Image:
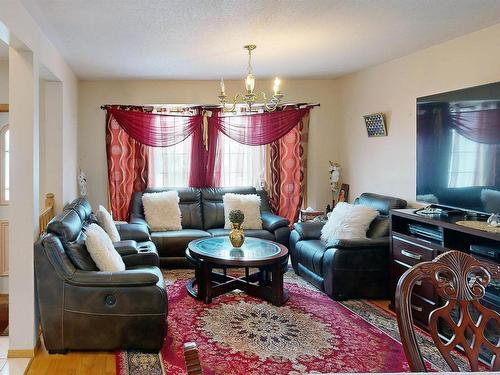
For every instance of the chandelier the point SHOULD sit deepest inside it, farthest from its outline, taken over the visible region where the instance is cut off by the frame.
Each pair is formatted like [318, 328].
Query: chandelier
[250, 98]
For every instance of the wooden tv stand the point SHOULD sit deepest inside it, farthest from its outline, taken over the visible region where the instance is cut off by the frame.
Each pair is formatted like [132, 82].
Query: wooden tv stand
[408, 250]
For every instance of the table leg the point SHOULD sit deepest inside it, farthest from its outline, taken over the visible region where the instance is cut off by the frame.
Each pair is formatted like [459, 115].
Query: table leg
[277, 285]
[205, 283]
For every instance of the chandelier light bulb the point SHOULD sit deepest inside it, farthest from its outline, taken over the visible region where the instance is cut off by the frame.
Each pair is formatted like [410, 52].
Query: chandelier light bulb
[250, 83]
[276, 87]
[222, 86]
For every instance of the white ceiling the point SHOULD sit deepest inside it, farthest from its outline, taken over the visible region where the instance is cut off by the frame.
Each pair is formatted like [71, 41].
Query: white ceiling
[195, 39]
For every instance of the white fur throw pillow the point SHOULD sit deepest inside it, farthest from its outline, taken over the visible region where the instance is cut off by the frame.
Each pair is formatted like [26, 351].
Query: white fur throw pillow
[348, 221]
[162, 210]
[249, 204]
[105, 220]
[101, 250]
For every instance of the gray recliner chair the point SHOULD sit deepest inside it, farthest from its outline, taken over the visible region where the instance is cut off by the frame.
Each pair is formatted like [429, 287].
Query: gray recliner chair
[343, 269]
[82, 308]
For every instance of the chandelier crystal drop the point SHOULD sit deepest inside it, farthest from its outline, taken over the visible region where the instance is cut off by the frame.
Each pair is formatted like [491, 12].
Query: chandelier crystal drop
[251, 97]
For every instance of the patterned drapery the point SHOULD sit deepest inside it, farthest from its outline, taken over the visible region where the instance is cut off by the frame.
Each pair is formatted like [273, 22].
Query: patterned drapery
[127, 166]
[288, 174]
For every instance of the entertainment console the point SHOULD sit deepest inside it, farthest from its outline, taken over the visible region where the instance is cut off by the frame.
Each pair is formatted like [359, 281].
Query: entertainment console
[416, 238]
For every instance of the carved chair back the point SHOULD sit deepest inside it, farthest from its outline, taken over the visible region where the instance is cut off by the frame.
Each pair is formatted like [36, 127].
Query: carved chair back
[460, 280]
[192, 359]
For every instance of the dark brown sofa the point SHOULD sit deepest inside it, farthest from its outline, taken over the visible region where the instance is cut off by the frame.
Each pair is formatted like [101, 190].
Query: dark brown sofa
[203, 216]
[82, 308]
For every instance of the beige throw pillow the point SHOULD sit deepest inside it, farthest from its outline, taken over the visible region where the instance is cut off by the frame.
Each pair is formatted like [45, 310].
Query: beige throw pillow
[105, 220]
[348, 221]
[102, 251]
[249, 204]
[162, 210]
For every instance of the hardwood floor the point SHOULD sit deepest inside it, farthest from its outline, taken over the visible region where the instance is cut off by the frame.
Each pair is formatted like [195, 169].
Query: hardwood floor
[92, 363]
[72, 363]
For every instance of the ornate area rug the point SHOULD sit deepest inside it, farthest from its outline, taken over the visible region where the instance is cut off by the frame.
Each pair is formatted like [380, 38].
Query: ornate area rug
[239, 334]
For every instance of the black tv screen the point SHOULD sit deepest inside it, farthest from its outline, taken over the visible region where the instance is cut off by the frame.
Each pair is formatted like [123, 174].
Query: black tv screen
[458, 149]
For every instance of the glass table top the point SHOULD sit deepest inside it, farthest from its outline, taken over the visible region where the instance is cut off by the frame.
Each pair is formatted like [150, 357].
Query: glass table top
[220, 247]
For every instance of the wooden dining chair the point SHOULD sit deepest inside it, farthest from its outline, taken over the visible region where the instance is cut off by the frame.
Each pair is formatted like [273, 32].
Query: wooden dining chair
[192, 359]
[460, 280]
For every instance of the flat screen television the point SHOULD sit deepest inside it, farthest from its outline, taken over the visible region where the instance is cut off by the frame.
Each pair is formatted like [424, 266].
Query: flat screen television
[458, 149]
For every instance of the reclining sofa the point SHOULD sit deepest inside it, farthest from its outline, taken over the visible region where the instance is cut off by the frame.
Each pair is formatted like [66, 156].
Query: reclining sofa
[203, 216]
[82, 308]
[347, 268]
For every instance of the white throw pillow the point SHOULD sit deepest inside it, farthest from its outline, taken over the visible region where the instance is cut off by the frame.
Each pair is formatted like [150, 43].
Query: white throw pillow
[162, 210]
[101, 250]
[105, 220]
[249, 204]
[348, 221]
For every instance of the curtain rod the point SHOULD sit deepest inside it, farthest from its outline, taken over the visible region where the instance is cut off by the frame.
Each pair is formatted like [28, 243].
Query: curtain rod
[207, 106]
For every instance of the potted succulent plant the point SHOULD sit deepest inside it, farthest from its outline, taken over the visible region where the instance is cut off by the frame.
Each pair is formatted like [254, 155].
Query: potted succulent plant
[236, 235]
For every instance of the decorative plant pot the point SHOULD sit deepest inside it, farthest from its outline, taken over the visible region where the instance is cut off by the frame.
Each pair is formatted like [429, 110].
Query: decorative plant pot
[236, 235]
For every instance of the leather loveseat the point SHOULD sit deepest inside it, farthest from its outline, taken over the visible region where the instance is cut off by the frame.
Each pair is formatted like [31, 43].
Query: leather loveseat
[343, 269]
[82, 308]
[203, 216]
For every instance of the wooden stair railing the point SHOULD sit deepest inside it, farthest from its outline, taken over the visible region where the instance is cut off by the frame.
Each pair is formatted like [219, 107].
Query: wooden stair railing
[47, 213]
[192, 359]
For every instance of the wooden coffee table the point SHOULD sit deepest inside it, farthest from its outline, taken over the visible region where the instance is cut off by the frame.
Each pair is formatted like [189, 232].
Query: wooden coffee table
[209, 255]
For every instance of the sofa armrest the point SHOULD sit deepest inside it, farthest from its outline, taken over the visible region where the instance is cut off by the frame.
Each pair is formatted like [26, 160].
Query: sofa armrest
[133, 231]
[358, 243]
[271, 222]
[126, 247]
[308, 230]
[113, 279]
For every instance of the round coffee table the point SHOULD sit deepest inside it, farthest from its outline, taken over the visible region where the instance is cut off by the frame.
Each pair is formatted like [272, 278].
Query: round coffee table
[208, 254]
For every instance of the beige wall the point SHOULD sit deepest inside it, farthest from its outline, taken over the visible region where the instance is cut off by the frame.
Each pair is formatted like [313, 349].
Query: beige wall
[387, 165]
[4, 81]
[91, 136]
[29, 51]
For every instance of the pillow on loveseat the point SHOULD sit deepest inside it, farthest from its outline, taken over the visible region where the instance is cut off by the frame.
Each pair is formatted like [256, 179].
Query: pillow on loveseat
[249, 204]
[102, 251]
[106, 222]
[348, 221]
[162, 210]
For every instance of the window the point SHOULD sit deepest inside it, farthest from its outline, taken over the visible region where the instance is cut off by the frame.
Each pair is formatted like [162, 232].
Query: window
[241, 165]
[169, 166]
[4, 166]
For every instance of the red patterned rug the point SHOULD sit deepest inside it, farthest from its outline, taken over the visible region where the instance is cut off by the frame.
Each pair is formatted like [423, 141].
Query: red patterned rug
[238, 334]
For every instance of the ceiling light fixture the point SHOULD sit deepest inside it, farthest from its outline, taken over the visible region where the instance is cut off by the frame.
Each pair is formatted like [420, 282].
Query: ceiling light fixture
[250, 98]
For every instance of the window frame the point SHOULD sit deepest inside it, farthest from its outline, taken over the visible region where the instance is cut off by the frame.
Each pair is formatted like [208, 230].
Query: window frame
[4, 129]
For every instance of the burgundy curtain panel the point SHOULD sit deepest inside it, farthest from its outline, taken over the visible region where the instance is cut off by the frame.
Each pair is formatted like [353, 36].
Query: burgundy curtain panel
[260, 128]
[127, 166]
[130, 132]
[155, 129]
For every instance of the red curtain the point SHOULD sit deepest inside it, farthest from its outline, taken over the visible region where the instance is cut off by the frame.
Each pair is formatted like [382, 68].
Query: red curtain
[205, 159]
[260, 128]
[155, 129]
[286, 130]
[127, 166]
